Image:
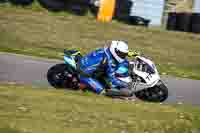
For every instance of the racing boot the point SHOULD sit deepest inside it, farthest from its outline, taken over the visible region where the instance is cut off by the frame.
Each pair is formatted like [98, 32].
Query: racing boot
[117, 93]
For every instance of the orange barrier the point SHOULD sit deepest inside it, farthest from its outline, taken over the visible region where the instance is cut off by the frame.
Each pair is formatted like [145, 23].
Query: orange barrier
[106, 10]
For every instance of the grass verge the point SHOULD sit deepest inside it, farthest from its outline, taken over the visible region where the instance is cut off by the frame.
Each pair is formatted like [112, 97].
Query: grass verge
[25, 109]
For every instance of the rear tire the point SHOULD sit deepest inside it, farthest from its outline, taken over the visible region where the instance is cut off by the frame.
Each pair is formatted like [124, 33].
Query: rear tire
[60, 76]
[158, 93]
[54, 75]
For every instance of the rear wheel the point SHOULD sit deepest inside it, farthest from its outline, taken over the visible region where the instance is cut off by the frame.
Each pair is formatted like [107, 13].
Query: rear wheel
[158, 93]
[60, 76]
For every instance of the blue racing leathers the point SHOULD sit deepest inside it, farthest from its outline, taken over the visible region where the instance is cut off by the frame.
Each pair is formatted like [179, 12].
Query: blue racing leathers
[98, 61]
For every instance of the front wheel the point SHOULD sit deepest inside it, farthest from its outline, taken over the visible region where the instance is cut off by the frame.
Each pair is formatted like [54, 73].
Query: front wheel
[158, 93]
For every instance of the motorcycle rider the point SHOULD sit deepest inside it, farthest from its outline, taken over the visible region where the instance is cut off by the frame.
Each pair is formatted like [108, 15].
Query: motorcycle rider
[105, 62]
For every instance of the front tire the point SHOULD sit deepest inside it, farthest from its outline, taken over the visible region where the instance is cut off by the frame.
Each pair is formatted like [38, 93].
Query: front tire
[158, 93]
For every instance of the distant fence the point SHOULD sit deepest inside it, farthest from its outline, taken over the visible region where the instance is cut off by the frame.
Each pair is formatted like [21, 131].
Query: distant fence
[187, 22]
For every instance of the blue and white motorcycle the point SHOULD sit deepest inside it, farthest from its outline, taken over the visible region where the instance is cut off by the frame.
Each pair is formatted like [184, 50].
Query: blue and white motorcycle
[144, 80]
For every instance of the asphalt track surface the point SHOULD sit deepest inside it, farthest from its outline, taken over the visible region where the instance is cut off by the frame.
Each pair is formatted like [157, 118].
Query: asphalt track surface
[30, 70]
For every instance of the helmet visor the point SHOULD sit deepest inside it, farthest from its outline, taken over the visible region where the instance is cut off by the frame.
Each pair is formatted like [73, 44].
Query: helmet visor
[121, 54]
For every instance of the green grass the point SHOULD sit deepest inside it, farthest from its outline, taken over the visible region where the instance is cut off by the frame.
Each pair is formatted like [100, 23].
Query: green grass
[25, 109]
[35, 31]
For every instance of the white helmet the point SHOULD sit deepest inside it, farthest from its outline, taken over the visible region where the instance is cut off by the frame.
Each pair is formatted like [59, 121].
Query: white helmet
[119, 50]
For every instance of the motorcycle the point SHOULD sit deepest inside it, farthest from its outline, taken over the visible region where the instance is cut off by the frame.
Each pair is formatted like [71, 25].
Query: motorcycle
[143, 79]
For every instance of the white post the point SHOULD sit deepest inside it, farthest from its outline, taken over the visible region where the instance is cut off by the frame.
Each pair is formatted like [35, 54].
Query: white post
[196, 6]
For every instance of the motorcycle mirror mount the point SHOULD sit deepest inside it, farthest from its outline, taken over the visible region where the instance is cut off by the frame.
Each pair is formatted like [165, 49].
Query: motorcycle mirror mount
[134, 53]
